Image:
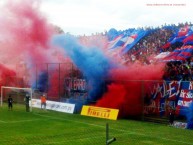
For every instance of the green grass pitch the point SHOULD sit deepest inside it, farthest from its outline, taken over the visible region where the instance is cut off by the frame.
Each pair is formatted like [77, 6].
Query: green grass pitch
[45, 127]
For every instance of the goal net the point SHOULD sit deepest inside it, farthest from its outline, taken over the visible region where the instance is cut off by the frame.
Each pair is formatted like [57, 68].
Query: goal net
[18, 95]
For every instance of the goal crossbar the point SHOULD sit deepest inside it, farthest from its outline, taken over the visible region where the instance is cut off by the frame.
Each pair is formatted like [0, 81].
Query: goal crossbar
[6, 87]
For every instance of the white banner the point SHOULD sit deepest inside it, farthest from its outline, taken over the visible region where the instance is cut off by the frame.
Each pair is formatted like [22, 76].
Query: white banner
[56, 106]
[180, 124]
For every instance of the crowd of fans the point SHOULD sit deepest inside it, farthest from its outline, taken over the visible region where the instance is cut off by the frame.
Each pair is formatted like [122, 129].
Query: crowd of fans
[153, 44]
[96, 40]
[179, 71]
[147, 48]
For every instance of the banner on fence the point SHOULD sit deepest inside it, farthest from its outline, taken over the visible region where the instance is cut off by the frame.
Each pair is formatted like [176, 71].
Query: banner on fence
[100, 112]
[167, 95]
[178, 124]
[56, 106]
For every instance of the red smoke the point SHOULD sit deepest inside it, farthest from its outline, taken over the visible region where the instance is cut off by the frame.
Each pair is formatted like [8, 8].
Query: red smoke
[26, 33]
[129, 87]
[6, 76]
[25, 38]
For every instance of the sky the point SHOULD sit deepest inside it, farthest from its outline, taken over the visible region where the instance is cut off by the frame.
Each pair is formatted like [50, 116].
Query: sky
[79, 17]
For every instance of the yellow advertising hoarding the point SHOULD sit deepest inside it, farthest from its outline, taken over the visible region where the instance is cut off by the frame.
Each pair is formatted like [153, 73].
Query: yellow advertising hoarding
[100, 112]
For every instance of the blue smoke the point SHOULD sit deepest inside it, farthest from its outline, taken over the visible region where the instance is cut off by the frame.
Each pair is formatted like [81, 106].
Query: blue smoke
[112, 34]
[90, 61]
[189, 116]
[42, 82]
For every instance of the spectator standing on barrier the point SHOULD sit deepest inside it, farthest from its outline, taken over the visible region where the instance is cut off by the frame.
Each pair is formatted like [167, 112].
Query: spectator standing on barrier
[27, 99]
[43, 101]
[10, 102]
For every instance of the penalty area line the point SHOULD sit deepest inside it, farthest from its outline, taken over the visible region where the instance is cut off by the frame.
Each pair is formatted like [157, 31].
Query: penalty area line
[19, 121]
[141, 134]
[1, 121]
[57, 118]
[123, 131]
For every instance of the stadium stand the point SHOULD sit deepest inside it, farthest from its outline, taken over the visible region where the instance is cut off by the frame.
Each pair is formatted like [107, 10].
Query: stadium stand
[156, 41]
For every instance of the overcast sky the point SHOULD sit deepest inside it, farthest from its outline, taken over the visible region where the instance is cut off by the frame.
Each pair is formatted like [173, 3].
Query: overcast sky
[80, 17]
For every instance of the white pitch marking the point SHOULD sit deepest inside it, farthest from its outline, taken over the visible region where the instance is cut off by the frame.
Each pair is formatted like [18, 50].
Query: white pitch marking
[125, 131]
[3, 121]
[19, 121]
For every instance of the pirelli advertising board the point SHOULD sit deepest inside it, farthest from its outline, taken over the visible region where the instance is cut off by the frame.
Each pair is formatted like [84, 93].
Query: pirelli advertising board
[100, 112]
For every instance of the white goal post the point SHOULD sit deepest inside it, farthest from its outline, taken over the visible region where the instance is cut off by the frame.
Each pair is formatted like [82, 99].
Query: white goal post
[29, 90]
